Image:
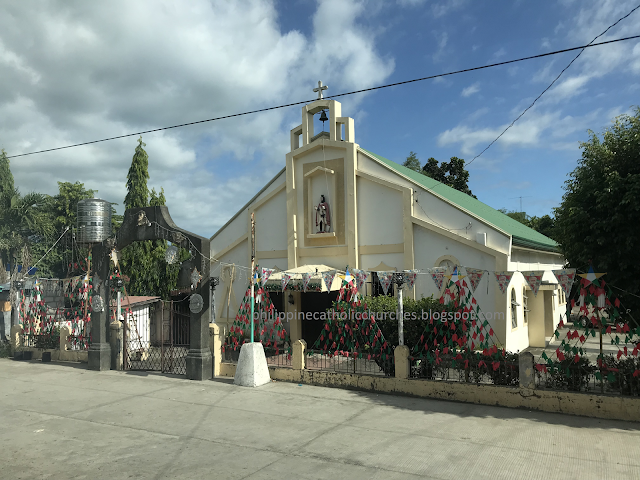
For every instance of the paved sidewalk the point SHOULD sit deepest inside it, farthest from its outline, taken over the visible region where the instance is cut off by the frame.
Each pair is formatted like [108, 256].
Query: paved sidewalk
[61, 421]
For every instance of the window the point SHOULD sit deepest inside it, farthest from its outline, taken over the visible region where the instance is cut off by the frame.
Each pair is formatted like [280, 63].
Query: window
[525, 309]
[514, 309]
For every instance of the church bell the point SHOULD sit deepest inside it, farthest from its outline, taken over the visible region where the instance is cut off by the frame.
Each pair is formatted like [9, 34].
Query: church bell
[323, 118]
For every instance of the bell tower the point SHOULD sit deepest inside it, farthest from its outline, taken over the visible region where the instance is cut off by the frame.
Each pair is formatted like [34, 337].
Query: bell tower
[337, 122]
[321, 188]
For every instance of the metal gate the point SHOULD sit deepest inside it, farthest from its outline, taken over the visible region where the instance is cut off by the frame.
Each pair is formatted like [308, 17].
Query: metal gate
[157, 338]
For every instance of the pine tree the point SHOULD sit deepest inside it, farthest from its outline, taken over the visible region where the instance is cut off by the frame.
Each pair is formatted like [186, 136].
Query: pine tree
[137, 191]
[7, 186]
[413, 162]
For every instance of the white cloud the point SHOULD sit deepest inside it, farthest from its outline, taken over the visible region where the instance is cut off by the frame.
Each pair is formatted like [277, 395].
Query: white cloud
[470, 90]
[74, 72]
[442, 39]
[442, 8]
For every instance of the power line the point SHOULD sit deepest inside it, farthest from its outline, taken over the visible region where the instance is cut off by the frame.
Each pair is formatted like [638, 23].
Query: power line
[590, 44]
[331, 96]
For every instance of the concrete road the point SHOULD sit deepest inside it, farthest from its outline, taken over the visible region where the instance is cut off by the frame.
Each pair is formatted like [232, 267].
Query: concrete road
[61, 421]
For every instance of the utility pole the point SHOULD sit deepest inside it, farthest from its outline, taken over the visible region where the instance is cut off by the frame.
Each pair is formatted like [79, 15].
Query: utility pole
[253, 267]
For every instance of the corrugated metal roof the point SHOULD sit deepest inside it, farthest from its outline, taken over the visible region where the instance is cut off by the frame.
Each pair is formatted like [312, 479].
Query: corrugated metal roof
[521, 234]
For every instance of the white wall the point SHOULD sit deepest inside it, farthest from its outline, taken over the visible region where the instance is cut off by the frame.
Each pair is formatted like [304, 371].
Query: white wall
[433, 209]
[271, 224]
[380, 214]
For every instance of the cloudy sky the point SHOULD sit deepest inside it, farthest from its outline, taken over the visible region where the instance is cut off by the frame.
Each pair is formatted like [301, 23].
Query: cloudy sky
[75, 71]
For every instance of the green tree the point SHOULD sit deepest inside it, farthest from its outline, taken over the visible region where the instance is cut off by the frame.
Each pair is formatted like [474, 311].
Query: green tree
[545, 224]
[137, 191]
[450, 173]
[144, 262]
[6, 177]
[413, 162]
[597, 220]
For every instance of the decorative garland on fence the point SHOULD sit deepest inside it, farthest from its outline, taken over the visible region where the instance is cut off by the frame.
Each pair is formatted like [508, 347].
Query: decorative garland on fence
[464, 341]
[268, 326]
[569, 358]
[350, 331]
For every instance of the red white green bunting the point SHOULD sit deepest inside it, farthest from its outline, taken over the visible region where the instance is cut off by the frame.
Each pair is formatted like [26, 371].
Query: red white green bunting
[386, 278]
[361, 278]
[410, 278]
[305, 281]
[265, 274]
[285, 280]
[328, 278]
[437, 274]
[475, 275]
[565, 278]
[534, 279]
[503, 279]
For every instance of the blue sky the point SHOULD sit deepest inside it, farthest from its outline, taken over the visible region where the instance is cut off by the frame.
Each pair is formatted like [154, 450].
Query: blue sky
[78, 71]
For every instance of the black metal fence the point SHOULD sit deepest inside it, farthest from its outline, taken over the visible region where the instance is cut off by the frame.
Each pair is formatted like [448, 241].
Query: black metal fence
[276, 357]
[362, 363]
[474, 369]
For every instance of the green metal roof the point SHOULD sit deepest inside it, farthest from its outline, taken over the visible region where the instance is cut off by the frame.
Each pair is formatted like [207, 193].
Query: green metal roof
[522, 235]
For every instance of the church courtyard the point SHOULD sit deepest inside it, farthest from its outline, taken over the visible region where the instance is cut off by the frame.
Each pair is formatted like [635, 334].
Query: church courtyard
[62, 421]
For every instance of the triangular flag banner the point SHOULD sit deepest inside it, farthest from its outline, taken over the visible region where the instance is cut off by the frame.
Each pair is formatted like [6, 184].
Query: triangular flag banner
[386, 278]
[328, 278]
[305, 281]
[534, 279]
[565, 278]
[455, 277]
[437, 274]
[410, 278]
[266, 273]
[285, 280]
[503, 279]
[475, 275]
[360, 276]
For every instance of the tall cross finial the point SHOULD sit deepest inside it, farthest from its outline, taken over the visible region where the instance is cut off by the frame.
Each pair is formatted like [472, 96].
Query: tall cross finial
[320, 89]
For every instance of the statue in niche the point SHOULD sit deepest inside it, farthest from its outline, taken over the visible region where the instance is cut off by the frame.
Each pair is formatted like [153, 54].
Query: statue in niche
[323, 217]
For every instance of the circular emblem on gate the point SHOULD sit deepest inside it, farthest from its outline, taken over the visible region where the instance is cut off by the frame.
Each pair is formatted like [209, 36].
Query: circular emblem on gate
[196, 303]
[97, 304]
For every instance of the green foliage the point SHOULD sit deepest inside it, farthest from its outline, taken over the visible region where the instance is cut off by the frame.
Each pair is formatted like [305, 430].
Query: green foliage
[546, 225]
[49, 339]
[5, 349]
[413, 162]
[450, 173]
[137, 191]
[597, 220]
[144, 262]
[6, 177]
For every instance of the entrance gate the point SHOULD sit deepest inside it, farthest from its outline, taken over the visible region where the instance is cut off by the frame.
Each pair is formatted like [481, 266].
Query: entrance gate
[157, 340]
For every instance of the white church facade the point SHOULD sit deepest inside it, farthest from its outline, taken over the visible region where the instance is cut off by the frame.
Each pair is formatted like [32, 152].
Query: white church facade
[377, 214]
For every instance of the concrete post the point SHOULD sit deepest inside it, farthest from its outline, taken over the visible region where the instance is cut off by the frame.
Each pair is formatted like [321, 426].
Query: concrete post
[216, 334]
[527, 370]
[16, 338]
[115, 340]
[401, 357]
[99, 353]
[65, 331]
[297, 357]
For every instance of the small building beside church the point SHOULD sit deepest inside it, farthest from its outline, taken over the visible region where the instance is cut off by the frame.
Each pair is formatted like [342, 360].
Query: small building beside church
[336, 205]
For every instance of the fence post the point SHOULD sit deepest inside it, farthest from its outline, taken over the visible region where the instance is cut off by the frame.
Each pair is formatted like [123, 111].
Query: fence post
[16, 338]
[297, 357]
[215, 344]
[65, 331]
[401, 357]
[115, 339]
[527, 372]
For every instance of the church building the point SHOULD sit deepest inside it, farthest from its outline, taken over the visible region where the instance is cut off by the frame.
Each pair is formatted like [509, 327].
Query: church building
[336, 205]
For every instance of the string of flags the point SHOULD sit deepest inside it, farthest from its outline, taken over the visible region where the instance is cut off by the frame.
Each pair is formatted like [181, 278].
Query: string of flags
[407, 278]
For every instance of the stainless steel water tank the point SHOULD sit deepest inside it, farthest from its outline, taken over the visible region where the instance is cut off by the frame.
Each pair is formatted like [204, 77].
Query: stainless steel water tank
[94, 220]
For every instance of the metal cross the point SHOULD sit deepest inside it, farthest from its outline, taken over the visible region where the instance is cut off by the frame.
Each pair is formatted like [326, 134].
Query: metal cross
[320, 89]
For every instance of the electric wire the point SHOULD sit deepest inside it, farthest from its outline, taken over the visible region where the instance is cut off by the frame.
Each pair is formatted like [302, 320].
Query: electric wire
[556, 52]
[590, 44]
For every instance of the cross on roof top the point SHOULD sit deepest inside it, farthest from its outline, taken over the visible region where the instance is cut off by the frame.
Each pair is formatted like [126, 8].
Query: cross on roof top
[320, 89]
